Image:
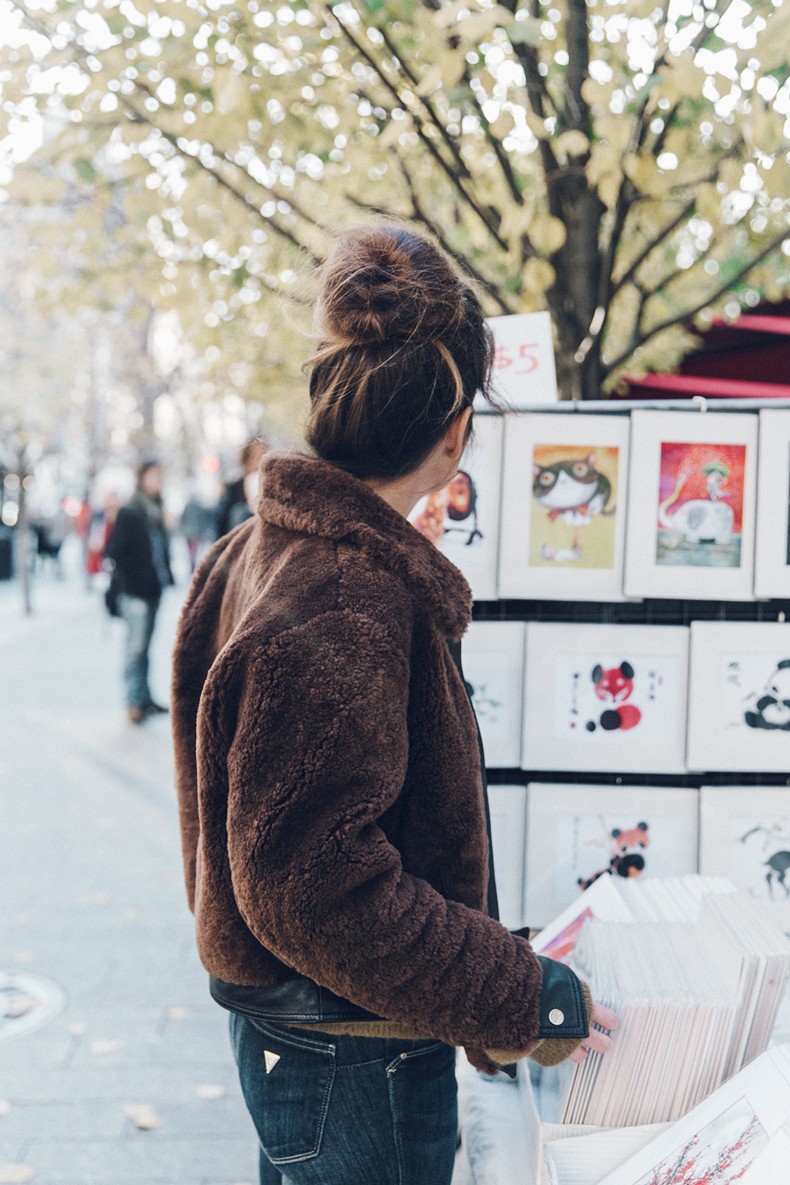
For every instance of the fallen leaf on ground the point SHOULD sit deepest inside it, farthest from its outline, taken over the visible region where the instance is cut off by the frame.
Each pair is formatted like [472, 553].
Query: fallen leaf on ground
[105, 1045]
[142, 1116]
[16, 1173]
[210, 1090]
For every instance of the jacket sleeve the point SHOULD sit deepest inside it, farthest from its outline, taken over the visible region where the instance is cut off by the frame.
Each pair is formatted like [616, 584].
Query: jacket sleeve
[317, 756]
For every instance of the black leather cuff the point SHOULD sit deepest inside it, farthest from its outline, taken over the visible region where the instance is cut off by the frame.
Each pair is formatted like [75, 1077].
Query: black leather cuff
[562, 1011]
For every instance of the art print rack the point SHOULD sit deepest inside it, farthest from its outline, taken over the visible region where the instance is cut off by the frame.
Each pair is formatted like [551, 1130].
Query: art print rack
[741, 552]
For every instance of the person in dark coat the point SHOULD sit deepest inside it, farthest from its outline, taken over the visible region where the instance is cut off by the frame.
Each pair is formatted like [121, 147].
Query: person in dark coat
[330, 778]
[238, 498]
[140, 553]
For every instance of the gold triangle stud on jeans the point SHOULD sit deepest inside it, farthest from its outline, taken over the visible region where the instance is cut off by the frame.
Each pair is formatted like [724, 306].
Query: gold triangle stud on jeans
[271, 1060]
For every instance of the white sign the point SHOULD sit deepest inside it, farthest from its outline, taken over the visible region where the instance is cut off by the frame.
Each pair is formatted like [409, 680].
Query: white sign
[524, 370]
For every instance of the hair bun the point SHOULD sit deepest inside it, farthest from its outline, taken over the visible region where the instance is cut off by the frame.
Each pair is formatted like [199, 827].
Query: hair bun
[384, 284]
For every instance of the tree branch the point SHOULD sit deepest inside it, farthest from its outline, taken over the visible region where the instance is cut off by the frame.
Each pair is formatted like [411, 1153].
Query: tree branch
[489, 221]
[708, 300]
[465, 263]
[686, 210]
[78, 52]
[433, 114]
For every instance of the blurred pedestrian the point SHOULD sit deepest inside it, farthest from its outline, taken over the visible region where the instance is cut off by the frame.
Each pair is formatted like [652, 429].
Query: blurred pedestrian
[102, 523]
[197, 525]
[239, 497]
[140, 552]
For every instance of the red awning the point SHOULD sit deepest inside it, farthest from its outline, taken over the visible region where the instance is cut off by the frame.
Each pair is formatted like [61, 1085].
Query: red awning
[744, 359]
[656, 386]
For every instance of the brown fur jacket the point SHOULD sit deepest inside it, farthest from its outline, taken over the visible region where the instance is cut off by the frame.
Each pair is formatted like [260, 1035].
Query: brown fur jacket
[328, 771]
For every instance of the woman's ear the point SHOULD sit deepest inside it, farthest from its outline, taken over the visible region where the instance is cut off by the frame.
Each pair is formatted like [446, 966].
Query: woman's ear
[457, 435]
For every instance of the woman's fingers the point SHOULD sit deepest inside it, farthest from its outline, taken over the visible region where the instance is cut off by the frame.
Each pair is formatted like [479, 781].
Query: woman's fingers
[597, 1041]
[605, 1017]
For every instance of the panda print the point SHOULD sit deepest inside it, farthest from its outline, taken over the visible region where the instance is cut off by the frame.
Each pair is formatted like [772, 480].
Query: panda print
[772, 708]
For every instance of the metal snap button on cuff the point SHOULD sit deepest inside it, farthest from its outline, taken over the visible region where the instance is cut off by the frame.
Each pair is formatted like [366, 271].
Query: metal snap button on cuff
[556, 1016]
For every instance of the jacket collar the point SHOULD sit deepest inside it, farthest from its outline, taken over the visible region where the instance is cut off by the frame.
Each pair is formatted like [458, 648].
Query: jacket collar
[312, 497]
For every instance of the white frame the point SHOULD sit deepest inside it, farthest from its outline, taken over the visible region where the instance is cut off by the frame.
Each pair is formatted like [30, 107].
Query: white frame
[508, 809]
[503, 643]
[483, 458]
[644, 576]
[548, 807]
[733, 746]
[632, 751]
[771, 567]
[519, 578]
[720, 809]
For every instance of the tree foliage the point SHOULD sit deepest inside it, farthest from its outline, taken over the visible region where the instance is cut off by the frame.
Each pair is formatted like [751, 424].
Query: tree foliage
[621, 162]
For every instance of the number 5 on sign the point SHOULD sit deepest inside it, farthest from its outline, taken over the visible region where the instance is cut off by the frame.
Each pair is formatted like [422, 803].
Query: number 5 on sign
[524, 370]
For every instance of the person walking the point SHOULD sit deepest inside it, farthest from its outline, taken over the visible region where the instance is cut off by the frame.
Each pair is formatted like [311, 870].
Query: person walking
[239, 497]
[328, 765]
[140, 553]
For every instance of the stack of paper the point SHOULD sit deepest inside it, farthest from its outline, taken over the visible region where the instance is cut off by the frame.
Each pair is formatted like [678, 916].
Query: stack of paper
[751, 941]
[696, 972]
[739, 1133]
[677, 1002]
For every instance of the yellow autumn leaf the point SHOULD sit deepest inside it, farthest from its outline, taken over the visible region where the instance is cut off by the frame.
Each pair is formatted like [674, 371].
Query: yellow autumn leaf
[548, 234]
[571, 143]
[538, 275]
[682, 79]
[640, 170]
[708, 203]
[608, 187]
[431, 79]
[614, 130]
[536, 125]
[516, 221]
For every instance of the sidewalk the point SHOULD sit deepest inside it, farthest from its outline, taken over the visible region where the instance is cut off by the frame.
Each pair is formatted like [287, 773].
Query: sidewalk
[130, 1081]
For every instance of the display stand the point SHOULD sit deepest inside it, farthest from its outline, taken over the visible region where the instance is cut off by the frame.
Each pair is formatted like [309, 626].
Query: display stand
[499, 1121]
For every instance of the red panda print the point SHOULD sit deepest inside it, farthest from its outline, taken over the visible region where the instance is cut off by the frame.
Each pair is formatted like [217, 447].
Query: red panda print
[627, 859]
[614, 686]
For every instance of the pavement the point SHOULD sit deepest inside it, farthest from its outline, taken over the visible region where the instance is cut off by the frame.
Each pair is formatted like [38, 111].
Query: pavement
[115, 1065]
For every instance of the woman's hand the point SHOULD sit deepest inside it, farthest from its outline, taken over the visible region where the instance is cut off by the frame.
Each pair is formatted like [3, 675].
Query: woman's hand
[596, 1040]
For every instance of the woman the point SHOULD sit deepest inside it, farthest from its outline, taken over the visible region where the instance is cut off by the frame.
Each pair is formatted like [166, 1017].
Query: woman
[328, 763]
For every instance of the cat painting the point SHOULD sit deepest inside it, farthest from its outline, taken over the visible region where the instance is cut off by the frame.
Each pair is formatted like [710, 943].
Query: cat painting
[573, 506]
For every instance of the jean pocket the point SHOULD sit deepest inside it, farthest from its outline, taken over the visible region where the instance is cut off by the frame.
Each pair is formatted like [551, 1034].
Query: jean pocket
[425, 1049]
[287, 1083]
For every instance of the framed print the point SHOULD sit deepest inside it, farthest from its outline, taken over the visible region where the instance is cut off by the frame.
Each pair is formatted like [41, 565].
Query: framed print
[463, 518]
[739, 697]
[563, 506]
[578, 834]
[745, 835]
[691, 496]
[493, 659]
[610, 698]
[508, 807]
[524, 369]
[772, 545]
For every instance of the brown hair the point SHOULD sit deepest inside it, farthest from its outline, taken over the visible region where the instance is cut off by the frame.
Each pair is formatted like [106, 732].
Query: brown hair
[404, 348]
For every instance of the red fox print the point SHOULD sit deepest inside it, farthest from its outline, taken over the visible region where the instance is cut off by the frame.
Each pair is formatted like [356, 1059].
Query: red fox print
[627, 859]
[614, 686]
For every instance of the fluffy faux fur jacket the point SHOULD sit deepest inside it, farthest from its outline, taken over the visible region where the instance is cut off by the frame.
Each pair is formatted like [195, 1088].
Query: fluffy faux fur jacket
[328, 770]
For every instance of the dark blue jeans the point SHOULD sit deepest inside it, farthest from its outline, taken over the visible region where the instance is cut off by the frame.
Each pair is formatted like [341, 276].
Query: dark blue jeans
[347, 1110]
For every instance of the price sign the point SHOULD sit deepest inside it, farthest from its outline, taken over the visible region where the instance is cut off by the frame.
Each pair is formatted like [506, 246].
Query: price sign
[524, 370]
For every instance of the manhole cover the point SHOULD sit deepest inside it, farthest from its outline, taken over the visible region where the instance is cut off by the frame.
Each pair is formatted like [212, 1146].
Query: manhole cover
[27, 1002]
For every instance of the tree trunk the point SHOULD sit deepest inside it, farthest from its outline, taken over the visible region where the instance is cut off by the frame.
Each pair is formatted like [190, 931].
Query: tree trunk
[572, 300]
[23, 553]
